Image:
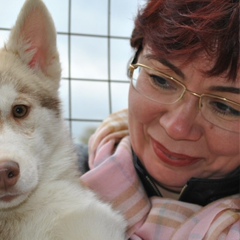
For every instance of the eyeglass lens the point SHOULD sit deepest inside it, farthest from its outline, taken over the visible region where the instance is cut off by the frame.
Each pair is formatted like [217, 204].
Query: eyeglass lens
[163, 89]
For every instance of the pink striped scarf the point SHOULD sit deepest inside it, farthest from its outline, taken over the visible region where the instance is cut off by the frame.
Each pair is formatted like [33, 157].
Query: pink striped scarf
[114, 178]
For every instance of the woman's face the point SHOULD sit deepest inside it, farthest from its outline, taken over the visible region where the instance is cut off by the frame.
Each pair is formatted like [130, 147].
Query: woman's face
[173, 141]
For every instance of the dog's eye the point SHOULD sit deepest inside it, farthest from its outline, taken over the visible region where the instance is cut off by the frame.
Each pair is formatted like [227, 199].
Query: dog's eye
[20, 111]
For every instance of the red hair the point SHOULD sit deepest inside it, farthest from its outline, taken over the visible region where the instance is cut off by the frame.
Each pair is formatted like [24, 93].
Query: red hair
[175, 28]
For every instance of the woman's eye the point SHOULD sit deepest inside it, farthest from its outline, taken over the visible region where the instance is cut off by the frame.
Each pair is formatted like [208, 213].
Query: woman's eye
[163, 83]
[20, 111]
[226, 110]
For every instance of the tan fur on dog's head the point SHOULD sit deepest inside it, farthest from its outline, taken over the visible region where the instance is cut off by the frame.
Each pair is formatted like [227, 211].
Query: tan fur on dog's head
[33, 42]
[30, 108]
[33, 39]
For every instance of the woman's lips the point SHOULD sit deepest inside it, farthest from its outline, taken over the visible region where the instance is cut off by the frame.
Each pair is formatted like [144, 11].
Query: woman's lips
[173, 159]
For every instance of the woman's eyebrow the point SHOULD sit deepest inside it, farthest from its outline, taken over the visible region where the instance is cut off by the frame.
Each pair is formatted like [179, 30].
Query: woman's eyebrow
[166, 63]
[225, 89]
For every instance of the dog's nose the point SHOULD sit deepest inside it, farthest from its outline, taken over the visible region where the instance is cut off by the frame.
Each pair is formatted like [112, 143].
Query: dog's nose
[9, 174]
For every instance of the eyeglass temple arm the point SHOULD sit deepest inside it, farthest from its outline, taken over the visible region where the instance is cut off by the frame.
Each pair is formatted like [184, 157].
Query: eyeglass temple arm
[136, 55]
[134, 61]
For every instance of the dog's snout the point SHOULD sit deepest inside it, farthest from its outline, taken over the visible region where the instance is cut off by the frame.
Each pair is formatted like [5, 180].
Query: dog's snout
[9, 174]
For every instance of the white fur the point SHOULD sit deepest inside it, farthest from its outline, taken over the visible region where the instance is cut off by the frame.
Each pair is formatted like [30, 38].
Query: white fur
[50, 203]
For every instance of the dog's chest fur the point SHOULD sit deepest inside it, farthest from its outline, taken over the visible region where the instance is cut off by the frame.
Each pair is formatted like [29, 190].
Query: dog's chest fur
[42, 214]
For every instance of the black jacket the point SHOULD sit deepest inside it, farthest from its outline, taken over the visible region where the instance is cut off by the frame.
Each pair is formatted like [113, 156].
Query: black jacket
[197, 190]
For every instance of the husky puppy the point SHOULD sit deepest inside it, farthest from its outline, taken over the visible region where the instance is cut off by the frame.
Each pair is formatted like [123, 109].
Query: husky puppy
[41, 197]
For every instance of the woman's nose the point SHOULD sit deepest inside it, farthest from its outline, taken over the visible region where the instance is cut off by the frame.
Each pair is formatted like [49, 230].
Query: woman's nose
[180, 121]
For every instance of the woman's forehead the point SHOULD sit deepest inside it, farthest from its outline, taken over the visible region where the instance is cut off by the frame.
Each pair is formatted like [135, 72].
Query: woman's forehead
[201, 63]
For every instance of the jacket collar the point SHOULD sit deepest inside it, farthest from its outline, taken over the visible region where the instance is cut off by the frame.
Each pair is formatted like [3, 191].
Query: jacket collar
[197, 190]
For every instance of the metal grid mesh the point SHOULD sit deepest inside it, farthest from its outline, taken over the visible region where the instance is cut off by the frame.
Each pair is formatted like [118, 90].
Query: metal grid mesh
[94, 82]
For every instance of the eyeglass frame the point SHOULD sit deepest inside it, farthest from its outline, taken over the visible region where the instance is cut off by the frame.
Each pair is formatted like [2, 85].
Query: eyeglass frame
[134, 65]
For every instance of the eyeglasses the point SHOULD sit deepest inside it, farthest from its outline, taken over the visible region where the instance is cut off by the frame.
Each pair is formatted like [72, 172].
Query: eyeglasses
[162, 88]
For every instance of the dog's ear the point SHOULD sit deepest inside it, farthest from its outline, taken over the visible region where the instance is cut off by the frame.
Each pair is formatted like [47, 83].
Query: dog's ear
[33, 39]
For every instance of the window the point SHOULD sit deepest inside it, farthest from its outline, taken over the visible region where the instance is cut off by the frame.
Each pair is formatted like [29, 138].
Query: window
[93, 42]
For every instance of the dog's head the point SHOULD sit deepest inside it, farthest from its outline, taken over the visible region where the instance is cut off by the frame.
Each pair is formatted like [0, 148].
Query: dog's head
[29, 104]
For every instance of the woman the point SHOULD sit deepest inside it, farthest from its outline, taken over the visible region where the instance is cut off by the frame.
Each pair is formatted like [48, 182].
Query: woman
[176, 173]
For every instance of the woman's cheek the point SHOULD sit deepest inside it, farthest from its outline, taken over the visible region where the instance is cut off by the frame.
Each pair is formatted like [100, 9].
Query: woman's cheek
[141, 109]
[137, 120]
[143, 113]
[227, 145]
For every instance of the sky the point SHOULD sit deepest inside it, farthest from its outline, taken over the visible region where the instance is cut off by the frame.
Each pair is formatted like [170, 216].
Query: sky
[91, 56]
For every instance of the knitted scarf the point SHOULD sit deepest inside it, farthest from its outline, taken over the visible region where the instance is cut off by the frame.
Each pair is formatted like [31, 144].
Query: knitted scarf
[114, 179]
